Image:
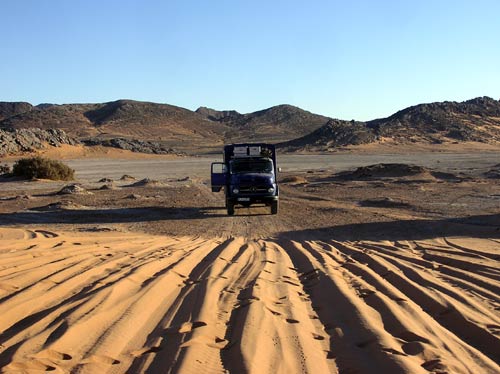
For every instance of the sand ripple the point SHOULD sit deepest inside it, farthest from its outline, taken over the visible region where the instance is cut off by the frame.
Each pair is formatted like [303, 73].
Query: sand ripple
[111, 302]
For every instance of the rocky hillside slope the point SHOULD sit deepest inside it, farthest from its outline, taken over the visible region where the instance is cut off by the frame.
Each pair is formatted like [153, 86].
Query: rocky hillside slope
[10, 109]
[172, 126]
[275, 124]
[335, 133]
[473, 120]
[476, 120]
[122, 118]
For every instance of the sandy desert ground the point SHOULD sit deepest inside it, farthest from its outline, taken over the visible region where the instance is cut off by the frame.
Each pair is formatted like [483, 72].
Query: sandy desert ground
[387, 272]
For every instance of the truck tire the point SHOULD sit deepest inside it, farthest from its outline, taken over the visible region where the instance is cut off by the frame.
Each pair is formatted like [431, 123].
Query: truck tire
[274, 207]
[230, 208]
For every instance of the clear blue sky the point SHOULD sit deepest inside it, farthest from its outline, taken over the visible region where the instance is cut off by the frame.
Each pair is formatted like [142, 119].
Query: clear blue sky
[360, 59]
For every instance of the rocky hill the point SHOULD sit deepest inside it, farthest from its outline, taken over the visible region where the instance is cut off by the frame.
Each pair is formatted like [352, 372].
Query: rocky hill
[143, 120]
[476, 120]
[122, 118]
[473, 120]
[172, 127]
[10, 109]
[275, 124]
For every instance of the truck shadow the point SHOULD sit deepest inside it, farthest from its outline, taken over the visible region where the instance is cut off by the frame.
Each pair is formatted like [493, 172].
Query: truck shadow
[110, 215]
[118, 215]
[480, 226]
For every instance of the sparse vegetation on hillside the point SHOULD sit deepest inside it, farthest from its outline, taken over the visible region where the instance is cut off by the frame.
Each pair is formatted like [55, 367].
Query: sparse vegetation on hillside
[39, 167]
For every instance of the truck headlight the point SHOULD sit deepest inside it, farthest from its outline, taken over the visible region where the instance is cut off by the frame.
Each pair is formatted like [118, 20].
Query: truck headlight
[236, 191]
[270, 189]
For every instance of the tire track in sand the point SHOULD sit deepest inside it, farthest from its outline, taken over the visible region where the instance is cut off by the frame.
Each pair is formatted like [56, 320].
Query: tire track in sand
[122, 302]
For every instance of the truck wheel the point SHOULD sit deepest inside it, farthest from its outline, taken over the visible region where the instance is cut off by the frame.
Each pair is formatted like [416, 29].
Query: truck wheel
[230, 208]
[274, 207]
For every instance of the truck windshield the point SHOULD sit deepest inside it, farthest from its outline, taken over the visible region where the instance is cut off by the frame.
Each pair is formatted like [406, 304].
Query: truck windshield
[251, 166]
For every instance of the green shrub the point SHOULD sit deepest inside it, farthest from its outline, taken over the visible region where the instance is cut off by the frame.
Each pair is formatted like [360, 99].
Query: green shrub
[39, 167]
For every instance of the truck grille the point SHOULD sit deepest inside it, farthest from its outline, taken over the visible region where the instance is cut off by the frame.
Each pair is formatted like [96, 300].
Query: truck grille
[253, 189]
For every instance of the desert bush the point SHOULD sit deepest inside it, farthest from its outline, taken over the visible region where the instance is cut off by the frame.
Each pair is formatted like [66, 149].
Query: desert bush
[5, 169]
[39, 167]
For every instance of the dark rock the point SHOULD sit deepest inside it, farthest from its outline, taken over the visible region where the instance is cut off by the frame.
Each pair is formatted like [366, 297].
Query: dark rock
[133, 145]
[14, 141]
[146, 182]
[385, 202]
[109, 186]
[74, 189]
[493, 173]
[126, 177]
[133, 196]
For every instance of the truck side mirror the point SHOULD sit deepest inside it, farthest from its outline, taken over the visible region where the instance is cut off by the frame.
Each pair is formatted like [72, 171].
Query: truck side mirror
[279, 170]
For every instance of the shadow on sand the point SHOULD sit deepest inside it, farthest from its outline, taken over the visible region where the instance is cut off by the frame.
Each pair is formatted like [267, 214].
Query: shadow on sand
[481, 226]
[118, 215]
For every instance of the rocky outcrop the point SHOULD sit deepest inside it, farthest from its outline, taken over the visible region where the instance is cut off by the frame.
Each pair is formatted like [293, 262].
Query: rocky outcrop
[133, 145]
[29, 140]
[17, 141]
[335, 133]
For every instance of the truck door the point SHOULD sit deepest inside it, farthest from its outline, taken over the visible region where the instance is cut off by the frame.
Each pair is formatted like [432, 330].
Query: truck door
[218, 176]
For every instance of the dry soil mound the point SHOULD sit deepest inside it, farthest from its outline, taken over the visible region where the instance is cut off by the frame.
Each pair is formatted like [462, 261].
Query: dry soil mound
[386, 171]
[146, 182]
[493, 173]
[73, 189]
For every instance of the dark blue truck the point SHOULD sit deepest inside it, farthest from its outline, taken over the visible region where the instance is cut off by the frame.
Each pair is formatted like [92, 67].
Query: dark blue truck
[248, 174]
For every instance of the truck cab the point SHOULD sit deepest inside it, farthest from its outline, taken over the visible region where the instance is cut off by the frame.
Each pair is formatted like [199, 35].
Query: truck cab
[248, 175]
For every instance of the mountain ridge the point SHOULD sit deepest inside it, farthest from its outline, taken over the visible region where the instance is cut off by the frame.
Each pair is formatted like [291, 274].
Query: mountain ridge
[291, 127]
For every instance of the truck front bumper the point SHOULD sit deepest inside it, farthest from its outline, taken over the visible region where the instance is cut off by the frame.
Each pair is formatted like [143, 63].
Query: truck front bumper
[249, 200]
